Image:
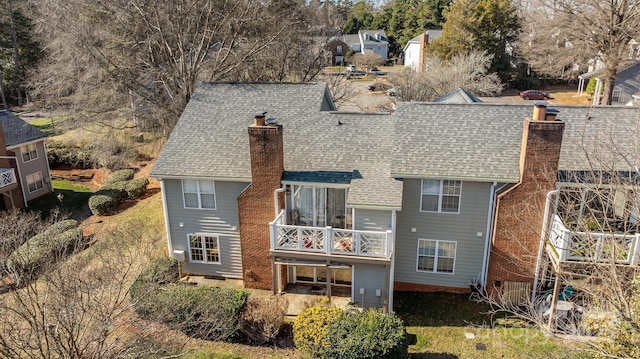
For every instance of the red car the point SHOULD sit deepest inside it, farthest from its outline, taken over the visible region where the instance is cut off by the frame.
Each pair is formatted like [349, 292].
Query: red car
[534, 95]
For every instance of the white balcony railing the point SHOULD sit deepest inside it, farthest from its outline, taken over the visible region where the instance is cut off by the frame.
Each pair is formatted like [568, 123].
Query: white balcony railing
[622, 248]
[329, 240]
[7, 177]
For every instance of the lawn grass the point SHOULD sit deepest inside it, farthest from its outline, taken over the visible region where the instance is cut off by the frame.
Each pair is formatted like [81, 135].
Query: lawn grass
[439, 326]
[74, 200]
[48, 124]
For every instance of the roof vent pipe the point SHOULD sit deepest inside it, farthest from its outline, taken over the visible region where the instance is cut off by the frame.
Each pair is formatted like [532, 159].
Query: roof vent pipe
[260, 118]
[539, 110]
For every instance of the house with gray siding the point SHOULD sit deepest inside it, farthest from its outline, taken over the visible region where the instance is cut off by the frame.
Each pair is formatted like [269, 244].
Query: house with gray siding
[268, 183]
[24, 168]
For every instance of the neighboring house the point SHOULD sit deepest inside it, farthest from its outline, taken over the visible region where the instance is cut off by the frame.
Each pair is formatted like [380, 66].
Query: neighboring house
[368, 41]
[415, 48]
[626, 88]
[433, 197]
[338, 49]
[458, 95]
[24, 168]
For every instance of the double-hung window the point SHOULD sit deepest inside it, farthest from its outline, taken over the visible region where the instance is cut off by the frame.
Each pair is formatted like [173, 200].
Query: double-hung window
[29, 152]
[34, 181]
[204, 248]
[440, 196]
[436, 256]
[199, 194]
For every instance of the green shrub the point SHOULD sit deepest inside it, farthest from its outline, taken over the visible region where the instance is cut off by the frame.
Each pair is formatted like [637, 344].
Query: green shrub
[104, 201]
[200, 312]
[262, 318]
[62, 154]
[368, 334]
[31, 257]
[311, 327]
[120, 176]
[591, 86]
[136, 188]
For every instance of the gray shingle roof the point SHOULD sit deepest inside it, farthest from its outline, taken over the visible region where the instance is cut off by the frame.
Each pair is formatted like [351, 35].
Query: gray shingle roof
[211, 141]
[475, 141]
[458, 95]
[483, 140]
[17, 131]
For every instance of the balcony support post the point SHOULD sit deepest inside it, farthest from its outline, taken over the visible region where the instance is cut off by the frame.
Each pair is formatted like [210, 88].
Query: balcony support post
[328, 241]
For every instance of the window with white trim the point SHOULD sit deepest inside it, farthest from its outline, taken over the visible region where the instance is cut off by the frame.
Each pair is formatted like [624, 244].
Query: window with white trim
[29, 152]
[34, 182]
[199, 194]
[204, 248]
[615, 96]
[440, 196]
[436, 256]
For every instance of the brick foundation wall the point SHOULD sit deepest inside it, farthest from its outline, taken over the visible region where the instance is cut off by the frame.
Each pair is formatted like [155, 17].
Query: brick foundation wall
[414, 287]
[256, 204]
[520, 211]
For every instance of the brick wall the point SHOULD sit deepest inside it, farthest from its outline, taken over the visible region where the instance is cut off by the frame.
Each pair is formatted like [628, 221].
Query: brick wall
[520, 211]
[256, 204]
[14, 195]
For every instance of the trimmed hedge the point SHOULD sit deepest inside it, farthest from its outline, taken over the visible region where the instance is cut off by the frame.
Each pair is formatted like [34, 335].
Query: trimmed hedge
[201, 312]
[311, 328]
[60, 154]
[57, 240]
[367, 335]
[136, 188]
[104, 201]
[120, 176]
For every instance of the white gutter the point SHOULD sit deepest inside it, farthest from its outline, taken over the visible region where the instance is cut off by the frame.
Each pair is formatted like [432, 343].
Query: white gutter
[44, 145]
[487, 237]
[393, 260]
[543, 236]
[275, 199]
[24, 195]
[166, 216]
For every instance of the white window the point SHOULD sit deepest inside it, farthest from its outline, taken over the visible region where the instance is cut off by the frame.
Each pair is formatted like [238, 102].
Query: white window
[615, 97]
[34, 181]
[199, 194]
[440, 196]
[29, 152]
[339, 49]
[436, 256]
[204, 248]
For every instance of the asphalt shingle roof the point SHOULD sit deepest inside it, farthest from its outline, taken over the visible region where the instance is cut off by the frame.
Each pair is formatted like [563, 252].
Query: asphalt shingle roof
[473, 141]
[17, 131]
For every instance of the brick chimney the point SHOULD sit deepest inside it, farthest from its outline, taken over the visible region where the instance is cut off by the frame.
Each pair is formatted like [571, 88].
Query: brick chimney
[256, 203]
[424, 41]
[520, 209]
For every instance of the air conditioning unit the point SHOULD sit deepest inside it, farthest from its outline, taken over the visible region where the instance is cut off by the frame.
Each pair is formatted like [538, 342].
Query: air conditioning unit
[178, 254]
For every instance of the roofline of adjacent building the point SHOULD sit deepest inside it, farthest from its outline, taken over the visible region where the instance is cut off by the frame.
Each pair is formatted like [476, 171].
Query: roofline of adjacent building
[459, 178]
[40, 139]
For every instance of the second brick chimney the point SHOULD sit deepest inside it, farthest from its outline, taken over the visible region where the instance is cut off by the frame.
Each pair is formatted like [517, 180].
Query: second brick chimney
[520, 210]
[256, 203]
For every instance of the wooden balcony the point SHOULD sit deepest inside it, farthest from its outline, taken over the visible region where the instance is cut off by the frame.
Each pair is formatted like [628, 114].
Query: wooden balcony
[329, 241]
[594, 247]
[7, 177]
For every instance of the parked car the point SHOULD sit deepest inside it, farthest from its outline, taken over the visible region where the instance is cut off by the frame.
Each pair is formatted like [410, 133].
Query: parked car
[374, 69]
[351, 68]
[378, 86]
[534, 95]
[393, 91]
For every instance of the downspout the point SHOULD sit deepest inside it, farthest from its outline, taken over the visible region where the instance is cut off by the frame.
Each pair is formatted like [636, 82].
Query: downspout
[24, 196]
[166, 217]
[490, 220]
[275, 200]
[44, 144]
[543, 236]
[393, 259]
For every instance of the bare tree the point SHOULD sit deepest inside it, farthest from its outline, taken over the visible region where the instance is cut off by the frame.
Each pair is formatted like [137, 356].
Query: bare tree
[367, 60]
[560, 34]
[468, 71]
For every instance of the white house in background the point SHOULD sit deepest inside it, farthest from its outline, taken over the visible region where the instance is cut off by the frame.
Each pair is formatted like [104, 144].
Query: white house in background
[368, 41]
[414, 50]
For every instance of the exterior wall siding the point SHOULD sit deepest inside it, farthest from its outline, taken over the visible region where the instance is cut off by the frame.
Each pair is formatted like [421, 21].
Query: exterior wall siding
[463, 228]
[31, 167]
[372, 220]
[218, 222]
[371, 278]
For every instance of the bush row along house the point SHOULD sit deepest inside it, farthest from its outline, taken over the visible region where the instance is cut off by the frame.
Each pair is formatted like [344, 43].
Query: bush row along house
[431, 198]
[24, 168]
